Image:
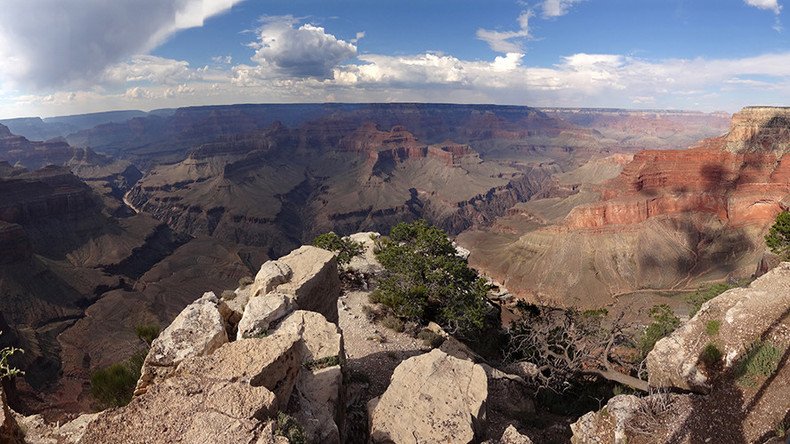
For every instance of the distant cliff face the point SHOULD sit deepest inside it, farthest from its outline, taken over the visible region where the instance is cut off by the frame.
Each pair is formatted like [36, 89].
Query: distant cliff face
[281, 187]
[670, 220]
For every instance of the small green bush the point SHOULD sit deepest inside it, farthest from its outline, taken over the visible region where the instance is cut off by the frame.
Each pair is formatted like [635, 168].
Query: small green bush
[430, 338]
[711, 355]
[393, 323]
[761, 360]
[228, 295]
[317, 364]
[147, 332]
[344, 247]
[6, 370]
[712, 327]
[288, 427]
[246, 280]
[664, 323]
[114, 386]
[778, 238]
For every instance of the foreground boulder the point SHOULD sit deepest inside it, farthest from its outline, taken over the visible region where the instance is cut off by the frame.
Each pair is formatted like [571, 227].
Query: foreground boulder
[314, 284]
[317, 401]
[224, 397]
[609, 425]
[365, 263]
[198, 330]
[262, 311]
[743, 315]
[432, 398]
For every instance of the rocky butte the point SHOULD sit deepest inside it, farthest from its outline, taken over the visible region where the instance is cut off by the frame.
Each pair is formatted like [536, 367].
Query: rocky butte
[670, 220]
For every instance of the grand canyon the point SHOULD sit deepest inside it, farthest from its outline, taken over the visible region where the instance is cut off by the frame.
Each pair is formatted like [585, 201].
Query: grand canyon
[555, 221]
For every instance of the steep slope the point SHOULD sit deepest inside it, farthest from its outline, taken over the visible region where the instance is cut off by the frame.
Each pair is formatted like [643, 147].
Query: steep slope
[64, 252]
[670, 220]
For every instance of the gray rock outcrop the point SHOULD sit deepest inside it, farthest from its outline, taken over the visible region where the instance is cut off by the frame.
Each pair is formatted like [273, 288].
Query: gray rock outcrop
[198, 330]
[607, 425]
[262, 311]
[744, 315]
[314, 284]
[432, 398]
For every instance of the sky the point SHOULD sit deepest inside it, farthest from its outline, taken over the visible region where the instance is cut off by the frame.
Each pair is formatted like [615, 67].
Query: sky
[60, 57]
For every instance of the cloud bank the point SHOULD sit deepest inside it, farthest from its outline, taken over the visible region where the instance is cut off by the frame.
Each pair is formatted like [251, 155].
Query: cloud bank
[55, 43]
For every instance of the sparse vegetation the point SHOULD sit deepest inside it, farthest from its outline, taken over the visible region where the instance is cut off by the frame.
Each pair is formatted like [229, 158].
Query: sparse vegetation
[288, 427]
[711, 355]
[425, 281]
[147, 332]
[430, 338]
[778, 237]
[699, 297]
[318, 364]
[6, 369]
[246, 280]
[393, 323]
[760, 361]
[571, 349]
[228, 295]
[344, 247]
[712, 327]
[114, 386]
[664, 323]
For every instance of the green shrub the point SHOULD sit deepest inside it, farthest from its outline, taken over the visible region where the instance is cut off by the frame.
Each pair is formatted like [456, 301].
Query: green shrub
[778, 237]
[344, 247]
[393, 323]
[228, 295]
[6, 370]
[318, 364]
[664, 323]
[288, 427]
[761, 360]
[425, 281]
[246, 280]
[711, 355]
[712, 327]
[147, 332]
[114, 386]
[703, 295]
[430, 338]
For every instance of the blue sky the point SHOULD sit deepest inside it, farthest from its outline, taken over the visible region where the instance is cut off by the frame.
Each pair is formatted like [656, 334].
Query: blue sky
[144, 54]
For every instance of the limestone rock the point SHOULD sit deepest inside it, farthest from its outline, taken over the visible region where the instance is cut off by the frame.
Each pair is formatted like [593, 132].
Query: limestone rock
[432, 398]
[607, 425]
[9, 429]
[187, 409]
[745, 314]
[321, 339]
[260, 312]
[366, 263]
[314, 285]
[224, 397]
[272, 362]
[317, 401]
[236, 304]
[198, 330]
[512, 436]
[271, 274]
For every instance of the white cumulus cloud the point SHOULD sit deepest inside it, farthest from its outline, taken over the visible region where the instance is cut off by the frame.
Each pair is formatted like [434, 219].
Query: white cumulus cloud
[287, 48]
[771, 5]
[51, 43]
